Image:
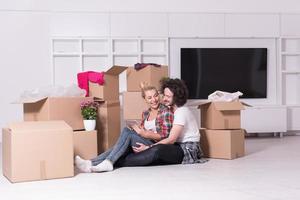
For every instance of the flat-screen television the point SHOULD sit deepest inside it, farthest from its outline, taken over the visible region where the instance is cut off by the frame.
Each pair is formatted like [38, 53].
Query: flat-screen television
[206, 70]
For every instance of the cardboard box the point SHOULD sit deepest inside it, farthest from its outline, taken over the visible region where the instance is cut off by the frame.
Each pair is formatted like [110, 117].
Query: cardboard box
[110, 90]
[225, 144]
[108, 124]
[133, 105]
[37, 151]
[221, 115]
[56, 108]
[85, 144]
[149, 74]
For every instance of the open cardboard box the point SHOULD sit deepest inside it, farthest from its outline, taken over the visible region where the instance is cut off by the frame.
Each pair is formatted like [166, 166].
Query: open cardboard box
[55, 108]
[110, 90]
[37, 151]
[221, 115]
[150, 74]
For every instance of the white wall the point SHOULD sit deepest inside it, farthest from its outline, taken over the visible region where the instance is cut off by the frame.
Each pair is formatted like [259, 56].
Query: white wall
[27, 25]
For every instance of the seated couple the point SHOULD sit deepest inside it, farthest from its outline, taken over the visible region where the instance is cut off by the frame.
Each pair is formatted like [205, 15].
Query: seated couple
[168, 134]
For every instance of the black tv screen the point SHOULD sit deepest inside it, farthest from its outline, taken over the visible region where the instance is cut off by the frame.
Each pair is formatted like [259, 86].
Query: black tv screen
[206, 70]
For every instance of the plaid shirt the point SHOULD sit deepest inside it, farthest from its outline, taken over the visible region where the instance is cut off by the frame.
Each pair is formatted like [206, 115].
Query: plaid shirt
[163, 121]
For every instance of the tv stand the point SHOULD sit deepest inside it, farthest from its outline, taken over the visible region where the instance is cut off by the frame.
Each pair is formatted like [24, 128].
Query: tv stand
[265, 119]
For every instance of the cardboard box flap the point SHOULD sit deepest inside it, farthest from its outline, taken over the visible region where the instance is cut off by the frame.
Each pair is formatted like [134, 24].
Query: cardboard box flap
[109, 103]
[228, 105]
[202, 103]
[29, 100]
[39, 125]
[116, 70]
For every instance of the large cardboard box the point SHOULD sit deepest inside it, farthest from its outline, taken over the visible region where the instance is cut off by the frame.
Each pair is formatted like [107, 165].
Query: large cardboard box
[133, 105]
[110, 90]
[225, 144]
[108, 124]
[85, 144]
[221, 115]
[37, 151]
[149, 74]
[56, 108]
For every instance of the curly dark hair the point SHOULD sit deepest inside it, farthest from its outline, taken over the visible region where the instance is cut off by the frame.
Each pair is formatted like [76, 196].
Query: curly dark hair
[178, 88]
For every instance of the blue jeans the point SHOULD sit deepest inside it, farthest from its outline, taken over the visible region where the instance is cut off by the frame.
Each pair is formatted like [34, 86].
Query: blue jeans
[127, 139]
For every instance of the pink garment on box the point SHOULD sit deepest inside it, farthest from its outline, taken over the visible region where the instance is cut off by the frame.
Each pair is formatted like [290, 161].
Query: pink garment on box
[83, 79]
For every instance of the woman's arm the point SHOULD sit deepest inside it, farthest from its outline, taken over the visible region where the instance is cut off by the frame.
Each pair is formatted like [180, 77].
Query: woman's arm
[174, 134]
[146, 134]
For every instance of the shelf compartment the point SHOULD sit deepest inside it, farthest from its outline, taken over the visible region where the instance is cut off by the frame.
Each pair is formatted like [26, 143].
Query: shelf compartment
[66, 45]
[153, 45]
[125, 60]
[95, 45]
[65, 70]
[125, 46]
[291, 44]
[291, 89]
[290, 63]
[162, 60]
[94, 63]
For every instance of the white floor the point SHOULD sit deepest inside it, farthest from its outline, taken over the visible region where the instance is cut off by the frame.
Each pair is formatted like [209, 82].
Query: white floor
[269, 171]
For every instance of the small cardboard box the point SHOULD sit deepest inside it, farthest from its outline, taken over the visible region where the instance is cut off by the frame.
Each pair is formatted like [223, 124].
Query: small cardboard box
[221, 115]
[56, 108]
[85, 144]
[37, 151]
[133, 105]
[108, 124]
[149, 74]
[110, 90]
[224, 144]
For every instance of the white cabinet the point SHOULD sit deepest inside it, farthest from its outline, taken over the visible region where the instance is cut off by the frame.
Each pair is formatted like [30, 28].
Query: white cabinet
[139, 24]
[252, 25]
[196, 25]
[264, 119]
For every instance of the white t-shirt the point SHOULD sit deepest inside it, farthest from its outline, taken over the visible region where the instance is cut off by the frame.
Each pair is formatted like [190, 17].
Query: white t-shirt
[150, 125]
[190, 133]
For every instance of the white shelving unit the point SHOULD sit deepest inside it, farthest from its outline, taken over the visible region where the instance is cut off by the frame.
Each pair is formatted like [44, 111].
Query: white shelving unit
[289, 62]
[71, 55]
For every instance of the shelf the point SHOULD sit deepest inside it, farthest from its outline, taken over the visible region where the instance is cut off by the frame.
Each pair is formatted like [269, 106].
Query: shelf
[66, 54]
[153, 54]
[290, 72]
[94, 54]
[290, 53]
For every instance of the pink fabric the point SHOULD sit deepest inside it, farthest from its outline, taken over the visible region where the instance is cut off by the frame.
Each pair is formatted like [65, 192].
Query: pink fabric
[83, 79]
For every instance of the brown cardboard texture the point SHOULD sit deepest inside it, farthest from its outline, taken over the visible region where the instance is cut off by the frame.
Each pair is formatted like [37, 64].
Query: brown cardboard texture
[85, 144]
[133, 105]
[149, 74]
[56, 108]
[224, 144]
[108, 124]
[37, 151]
[110, 90]
[221, 115]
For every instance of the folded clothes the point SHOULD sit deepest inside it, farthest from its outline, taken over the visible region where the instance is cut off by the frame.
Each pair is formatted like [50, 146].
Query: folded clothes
[83, 79]
[139, 66]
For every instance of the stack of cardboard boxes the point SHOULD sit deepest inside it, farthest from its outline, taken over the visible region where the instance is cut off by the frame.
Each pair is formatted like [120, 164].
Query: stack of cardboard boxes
[43, 146]
[108, 122]
[133, 103]
[222, 137]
